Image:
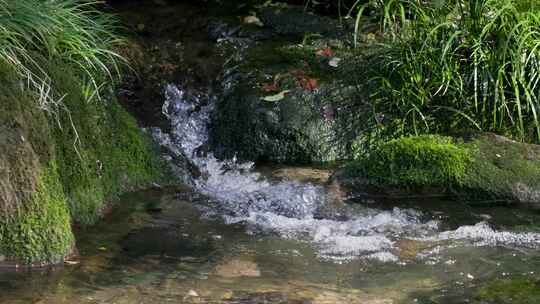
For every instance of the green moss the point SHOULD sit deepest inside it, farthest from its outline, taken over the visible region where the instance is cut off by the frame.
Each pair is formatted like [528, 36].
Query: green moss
[100, 150]
[485, 168]
[55, 169]
[520, 290]
[504, 169]
[427, 160]
[41, 231]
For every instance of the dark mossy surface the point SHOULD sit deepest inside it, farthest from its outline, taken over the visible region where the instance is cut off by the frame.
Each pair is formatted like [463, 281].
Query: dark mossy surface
[298, 128]
[504, 169]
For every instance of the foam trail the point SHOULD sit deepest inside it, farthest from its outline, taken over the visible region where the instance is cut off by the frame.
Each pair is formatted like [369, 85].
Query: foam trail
[289, 208]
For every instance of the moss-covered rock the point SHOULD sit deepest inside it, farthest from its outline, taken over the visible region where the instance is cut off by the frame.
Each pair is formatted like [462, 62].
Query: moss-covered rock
[485, 167]
[100, 155]
[504, 169]
[62, 166]
[415, 161]
[39, 231]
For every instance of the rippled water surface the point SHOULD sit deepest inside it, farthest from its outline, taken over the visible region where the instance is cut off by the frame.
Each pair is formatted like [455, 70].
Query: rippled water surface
[240, 234]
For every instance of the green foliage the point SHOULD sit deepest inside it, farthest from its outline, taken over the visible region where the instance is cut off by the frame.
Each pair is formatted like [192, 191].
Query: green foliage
[70, 32]
[452, 65]
[64, 159]
[520, 290]
[40, 232]
[104, 155]
[416, 161]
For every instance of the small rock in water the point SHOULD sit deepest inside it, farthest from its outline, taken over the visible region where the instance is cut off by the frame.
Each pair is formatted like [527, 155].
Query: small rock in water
[409, 249]
[238, 268]
[253, 20]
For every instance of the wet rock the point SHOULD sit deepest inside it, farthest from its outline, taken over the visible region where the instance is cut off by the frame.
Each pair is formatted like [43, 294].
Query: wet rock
[264, 297]
[292, 20]
[318, 176]
[277, 100]
[238, 268]
[294, 129]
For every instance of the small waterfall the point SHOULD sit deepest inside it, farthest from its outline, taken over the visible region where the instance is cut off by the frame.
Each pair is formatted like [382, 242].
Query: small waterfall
[290, 209]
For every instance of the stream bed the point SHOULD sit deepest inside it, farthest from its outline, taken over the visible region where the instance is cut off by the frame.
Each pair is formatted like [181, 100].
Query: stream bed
[159, 247]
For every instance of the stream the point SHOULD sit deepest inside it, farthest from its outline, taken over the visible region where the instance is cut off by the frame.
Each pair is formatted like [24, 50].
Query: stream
[240, 233]
[246, 234]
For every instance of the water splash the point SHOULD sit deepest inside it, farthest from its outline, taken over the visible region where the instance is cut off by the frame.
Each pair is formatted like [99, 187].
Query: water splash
[289, 209]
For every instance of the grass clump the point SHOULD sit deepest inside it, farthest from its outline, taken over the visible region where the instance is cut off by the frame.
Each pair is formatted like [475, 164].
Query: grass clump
[69, 32]
[448, 66]
[414, 161]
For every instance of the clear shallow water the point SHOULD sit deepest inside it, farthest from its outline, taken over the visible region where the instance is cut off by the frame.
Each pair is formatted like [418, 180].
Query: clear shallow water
[241, 235]
[159, 247]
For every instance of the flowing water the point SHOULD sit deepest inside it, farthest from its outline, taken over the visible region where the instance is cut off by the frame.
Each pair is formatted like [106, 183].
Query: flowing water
[240, 234]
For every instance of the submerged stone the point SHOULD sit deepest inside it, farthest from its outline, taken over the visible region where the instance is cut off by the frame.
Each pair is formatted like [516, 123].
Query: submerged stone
[238, 267]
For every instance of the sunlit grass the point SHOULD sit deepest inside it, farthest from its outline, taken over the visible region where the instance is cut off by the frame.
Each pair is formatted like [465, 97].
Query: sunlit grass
[451, 65]
[69, 32]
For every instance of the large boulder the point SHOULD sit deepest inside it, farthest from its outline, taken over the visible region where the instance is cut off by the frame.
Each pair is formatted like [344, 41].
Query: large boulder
[278, 95]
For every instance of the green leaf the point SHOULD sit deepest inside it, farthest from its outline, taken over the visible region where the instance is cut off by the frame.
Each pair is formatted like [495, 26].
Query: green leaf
[277, 97]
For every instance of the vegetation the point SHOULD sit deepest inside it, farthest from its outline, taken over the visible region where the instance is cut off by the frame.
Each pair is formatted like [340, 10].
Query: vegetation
[449, 66]
[41, 232]
[414, 161]
[63, 154]
[67, 32]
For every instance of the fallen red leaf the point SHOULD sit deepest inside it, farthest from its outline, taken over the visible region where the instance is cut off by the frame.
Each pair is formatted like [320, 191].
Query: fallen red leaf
[308, 84]
[305, 82]
[326, 52]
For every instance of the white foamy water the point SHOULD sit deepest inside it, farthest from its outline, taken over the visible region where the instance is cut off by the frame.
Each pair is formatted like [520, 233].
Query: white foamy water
[289, 209]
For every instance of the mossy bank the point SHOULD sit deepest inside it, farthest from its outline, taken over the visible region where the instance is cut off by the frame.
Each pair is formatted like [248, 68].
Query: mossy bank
[61, 168]
[483, 168]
